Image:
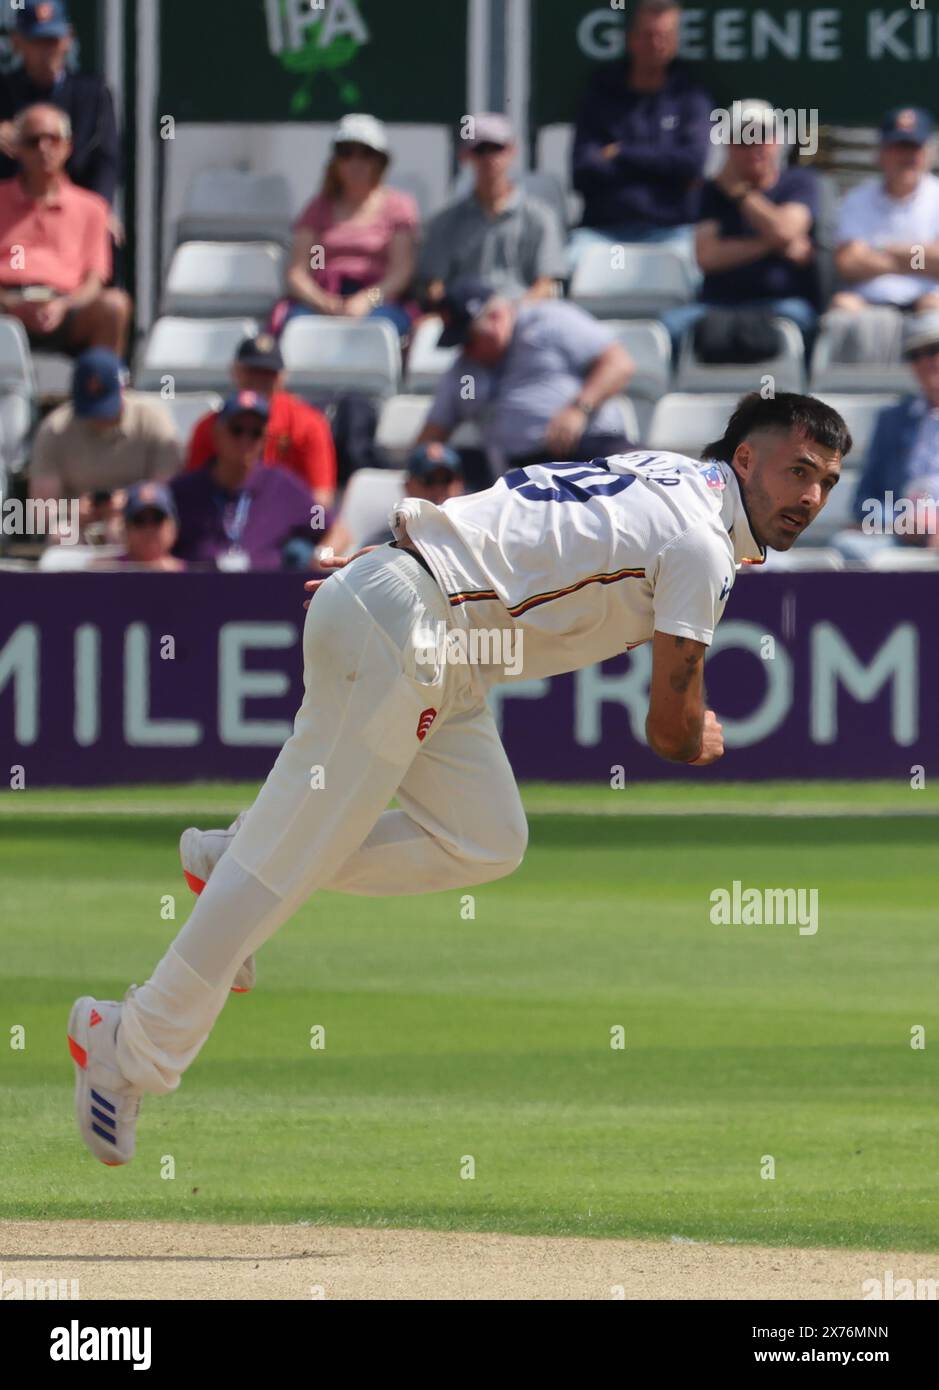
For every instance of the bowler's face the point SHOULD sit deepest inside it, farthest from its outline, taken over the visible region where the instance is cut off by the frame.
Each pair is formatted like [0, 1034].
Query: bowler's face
[785, 479]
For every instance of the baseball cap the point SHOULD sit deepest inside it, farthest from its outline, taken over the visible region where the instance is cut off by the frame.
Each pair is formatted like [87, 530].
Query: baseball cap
[462, 302]
[920, 330]
[146, 497]
[98, 381]
[43, 19]
[429, 457]
[906, 125]
[490, 128]
[360, 129]
[262, 352]
[243, 402]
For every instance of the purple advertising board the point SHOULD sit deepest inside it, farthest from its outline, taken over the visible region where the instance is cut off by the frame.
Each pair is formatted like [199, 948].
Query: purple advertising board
[153, 678]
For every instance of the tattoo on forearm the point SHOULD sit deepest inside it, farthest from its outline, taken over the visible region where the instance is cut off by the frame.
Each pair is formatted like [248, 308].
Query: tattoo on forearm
[681, 680]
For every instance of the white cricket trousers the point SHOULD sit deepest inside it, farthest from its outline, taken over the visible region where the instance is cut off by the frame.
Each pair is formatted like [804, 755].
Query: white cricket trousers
[320, 820]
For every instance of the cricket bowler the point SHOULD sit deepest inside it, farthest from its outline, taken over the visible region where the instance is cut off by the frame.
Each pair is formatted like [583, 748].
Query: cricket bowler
[569, 563]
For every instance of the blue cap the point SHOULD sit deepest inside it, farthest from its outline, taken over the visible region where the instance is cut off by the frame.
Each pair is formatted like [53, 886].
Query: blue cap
[43, 19]
[429, 457]
[97, 384]
[463, 301]
[146, 497]
[242, 402]
[906, 125]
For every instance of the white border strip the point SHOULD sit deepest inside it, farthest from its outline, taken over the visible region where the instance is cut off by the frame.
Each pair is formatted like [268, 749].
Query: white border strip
[477, 56]
[113, 18]
[148, 86]
[518, 74]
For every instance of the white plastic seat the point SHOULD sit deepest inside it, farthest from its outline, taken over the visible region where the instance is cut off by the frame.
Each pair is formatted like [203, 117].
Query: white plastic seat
[624, 280]
[216, 278]
[649, 345]
[233, 205]
[325, 357]
[859, 412]
[554, 153]
[426, 361]
[369, 496]
[401, 421]
[549, 189]
[186, 409]
[872, 362]
[194, 354]
[684, 422]
[787, 369]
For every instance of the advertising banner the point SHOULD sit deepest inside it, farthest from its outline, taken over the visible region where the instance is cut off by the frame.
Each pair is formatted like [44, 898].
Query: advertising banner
[155, 678]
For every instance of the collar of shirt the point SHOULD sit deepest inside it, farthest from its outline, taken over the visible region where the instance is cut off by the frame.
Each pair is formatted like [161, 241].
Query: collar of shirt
[53, 200]
[747, 549]
[509, 206]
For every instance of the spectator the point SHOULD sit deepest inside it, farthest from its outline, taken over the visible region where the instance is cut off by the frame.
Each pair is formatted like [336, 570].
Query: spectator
[354, 245]
[150, 531]
[43, 40]
[55, 247]
[298, 437]
[543, 376]
[498, 233]
[100, 443]
[754, 241]
[236, 512]
[642, 139]
[883, 219]
[903, 455]
[434, 472]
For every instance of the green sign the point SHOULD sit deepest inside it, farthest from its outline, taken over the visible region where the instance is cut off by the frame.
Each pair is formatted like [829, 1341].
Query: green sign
[848, 60]
[313, 60]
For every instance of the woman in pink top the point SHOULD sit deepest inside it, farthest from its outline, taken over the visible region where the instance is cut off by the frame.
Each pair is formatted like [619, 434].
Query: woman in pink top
[354, 248]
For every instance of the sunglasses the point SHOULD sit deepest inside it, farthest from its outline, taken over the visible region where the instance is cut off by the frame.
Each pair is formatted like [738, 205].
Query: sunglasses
[920, 354]
[487, 147]
[439, 478]
[153, 518]
[32, 142]
[352, 151]
[246, 431]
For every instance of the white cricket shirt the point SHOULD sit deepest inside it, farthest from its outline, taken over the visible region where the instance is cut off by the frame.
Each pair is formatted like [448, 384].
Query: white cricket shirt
[589, 559]
[869, 214]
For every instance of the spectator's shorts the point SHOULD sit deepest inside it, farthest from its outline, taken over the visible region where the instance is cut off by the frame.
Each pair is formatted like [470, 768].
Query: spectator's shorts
[61, 339]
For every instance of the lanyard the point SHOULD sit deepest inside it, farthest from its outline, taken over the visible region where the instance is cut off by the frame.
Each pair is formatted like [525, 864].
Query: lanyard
[234, 530]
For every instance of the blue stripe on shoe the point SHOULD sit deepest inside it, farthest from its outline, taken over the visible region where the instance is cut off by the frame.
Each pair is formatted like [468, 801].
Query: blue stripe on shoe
[104, 1134]
[100, 1100]
[105, 1119]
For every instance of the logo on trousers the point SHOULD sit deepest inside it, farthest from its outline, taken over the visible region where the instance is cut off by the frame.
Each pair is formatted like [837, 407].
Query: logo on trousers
[423, 724]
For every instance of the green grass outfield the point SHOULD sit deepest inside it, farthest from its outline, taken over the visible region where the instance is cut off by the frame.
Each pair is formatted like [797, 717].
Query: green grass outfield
[491, 1037]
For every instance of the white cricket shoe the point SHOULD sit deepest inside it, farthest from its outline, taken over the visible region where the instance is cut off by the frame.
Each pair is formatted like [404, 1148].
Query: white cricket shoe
[106, 1105]
[199, 852]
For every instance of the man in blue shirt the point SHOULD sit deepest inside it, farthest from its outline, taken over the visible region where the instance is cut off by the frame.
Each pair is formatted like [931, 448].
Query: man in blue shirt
[754, 241]
[43, 40]
[642, 139]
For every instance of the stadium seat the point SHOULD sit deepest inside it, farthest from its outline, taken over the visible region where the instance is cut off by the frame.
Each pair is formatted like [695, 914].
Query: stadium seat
[368, 498]
[683, 423]
[212, 279]
[631, 427]
[548, 189]
[426, 361]
[903, 557]
[195, 354]
[186, 409]
[554, 153]
[787, 369]
[233, 205]
[860, 352]
[623, 280]
[802, 557]
[53, 375]
[68, 559]
[326, 357]
[17, 396]
[860, 415]
[648, 343]
[401, 421]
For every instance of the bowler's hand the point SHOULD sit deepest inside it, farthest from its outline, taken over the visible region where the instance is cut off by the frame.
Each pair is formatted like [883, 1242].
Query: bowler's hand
[712, 742]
